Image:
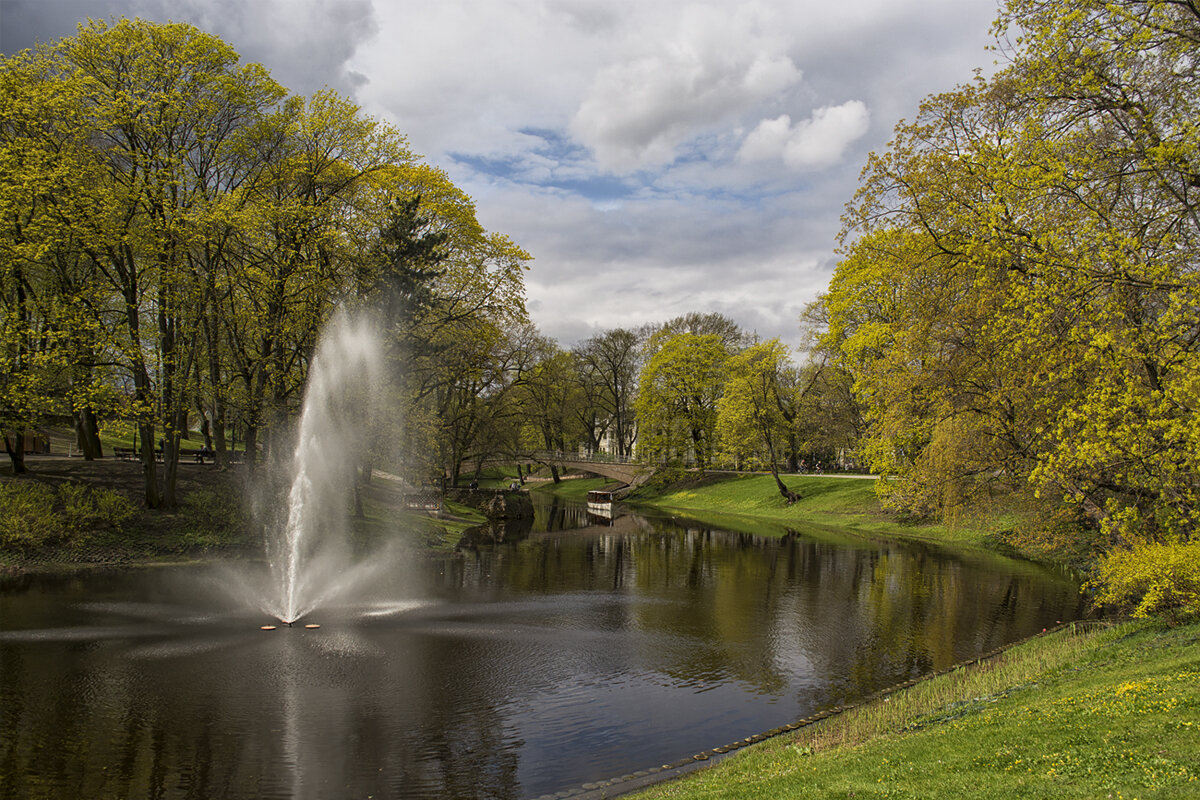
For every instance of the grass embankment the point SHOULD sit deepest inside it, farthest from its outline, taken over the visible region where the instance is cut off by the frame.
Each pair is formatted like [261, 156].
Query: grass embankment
[1114, 713]
[67, 512]
[831, 504]
[385, 516]
[571, 489]
[850, 503]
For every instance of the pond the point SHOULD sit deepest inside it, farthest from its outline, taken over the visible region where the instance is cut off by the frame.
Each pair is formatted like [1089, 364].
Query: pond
[535, 668]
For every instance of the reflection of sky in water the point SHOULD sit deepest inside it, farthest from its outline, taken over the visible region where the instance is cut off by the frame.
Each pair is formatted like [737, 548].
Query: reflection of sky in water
[565, 659]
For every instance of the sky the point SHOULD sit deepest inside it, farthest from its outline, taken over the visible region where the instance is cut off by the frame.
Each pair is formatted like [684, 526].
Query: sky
[656, 157]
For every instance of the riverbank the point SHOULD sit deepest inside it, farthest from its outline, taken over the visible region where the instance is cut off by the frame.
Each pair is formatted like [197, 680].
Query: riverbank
[1078, 713]
[1084, 712]
[68, 513]
[214, 518]
[847, 502]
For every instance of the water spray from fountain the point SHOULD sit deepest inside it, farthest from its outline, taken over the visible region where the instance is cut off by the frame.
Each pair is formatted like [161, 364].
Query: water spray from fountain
[310, 557]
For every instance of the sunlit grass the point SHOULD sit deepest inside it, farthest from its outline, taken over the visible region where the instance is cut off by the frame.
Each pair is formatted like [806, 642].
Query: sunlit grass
[758, 495]
[849, 503]
[1075, 715]
[573, 489]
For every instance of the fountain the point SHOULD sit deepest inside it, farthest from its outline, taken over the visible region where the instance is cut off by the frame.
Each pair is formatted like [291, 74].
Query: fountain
[311, 560]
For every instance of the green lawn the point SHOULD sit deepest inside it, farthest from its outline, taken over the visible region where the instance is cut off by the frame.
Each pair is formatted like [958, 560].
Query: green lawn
[848, 503]
[757, 495]
[1096, 715]
[571, 489]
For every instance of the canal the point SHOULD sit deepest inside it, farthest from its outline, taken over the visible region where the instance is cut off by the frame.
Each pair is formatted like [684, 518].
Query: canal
[576, 654]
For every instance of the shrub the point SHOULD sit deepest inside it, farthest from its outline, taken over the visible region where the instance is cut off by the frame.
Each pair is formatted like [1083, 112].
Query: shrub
[113, 508]
[1151, 579]
[214, 519]
[27, 517]
[86, 510]
[1057, 533]
[34, 515]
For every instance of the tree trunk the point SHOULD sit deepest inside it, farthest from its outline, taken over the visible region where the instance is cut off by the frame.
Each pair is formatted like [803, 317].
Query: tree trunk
[787, 493]
[171, 472]
[17, 453]
[251, 445]
[206, 432]
[87, 434]
[149, 467]
[220, 449]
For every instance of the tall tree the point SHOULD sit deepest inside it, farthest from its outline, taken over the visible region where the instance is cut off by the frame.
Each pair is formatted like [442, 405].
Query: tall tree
[611, 360]
[1017, 301]
[756, 411]
[677, 399]
[550, 395]
[155, 110]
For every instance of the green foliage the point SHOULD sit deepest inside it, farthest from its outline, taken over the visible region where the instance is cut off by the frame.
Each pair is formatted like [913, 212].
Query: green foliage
[177, 230]
[758, 397]
[1017, 297]
[677, 399]
[212, 519]
[1059, 533]
[86, 508]
[27, 516]
[34, 515]
[1151, 579]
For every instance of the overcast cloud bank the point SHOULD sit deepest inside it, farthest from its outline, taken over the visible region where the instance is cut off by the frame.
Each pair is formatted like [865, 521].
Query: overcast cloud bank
[656, 158]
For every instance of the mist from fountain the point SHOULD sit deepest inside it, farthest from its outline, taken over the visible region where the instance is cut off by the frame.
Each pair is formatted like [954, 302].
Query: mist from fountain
[312, 562]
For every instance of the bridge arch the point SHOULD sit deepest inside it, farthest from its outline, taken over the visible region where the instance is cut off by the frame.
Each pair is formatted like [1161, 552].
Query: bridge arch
[628, 472]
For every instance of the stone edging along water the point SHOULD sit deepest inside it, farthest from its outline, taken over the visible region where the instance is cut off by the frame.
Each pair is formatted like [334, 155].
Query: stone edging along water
[634, 781]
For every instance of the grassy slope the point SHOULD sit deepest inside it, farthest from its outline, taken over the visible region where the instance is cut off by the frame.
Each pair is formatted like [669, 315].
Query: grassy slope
[1114, 714]
[1111, 714]
[572, 489]
[209, 518]
[827, 500]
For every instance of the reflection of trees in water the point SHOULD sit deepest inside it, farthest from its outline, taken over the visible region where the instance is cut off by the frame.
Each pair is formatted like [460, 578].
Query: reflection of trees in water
[555, 514]
[205, 712]
[272, 721]
[864, 614]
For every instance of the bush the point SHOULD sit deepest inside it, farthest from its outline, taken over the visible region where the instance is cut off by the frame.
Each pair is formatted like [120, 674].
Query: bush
[113, 508]
[27, 516]
[1151, 579]
[86, 510]
[34, 515]
[213, 519]
[1059, 534]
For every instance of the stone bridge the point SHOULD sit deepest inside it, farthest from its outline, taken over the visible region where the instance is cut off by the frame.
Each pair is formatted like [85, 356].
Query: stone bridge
[626, 471]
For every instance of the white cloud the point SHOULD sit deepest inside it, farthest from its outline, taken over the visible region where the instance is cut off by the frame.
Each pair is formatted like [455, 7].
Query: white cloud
[641, 109]
[819, 141]
[531, 105]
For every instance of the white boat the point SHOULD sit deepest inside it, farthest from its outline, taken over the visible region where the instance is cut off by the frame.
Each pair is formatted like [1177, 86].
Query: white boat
[600, 503]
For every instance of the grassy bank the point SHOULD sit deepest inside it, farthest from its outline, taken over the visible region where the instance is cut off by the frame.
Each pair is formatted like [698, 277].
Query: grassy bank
[1113, 713]
[68, 512]
[571, 489]
[849, 503]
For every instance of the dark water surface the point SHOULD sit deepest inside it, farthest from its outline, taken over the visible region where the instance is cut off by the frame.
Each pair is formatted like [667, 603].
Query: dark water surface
[568, 658]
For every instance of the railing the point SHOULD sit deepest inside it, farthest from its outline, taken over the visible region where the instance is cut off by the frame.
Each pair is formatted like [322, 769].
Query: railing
[594, 458]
